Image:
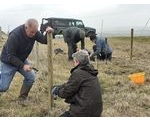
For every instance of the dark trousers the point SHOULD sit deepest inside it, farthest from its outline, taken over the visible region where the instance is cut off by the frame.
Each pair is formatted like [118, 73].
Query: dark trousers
[72, 47]
[66, 114]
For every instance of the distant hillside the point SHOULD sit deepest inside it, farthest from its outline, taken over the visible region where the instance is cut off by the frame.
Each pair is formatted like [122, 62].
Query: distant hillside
[3, 35]
[3, 38]
[125, 31]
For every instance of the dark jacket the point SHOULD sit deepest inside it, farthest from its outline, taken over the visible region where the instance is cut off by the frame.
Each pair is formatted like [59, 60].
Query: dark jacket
[19, 46]
[72, 35]
[83, 92]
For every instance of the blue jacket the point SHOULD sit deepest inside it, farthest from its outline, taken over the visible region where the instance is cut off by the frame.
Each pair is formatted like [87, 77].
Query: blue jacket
[102, 46]
[19, 46]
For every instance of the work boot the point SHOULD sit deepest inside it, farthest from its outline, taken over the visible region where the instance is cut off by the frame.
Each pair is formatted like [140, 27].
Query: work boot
[24, 91]
[24, 94]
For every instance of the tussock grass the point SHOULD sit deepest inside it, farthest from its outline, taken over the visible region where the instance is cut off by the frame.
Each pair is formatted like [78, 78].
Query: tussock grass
[121, 97]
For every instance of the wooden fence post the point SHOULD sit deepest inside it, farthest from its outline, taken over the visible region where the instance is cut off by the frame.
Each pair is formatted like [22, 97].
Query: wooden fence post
[37, 55]
[0, 34]
[132, 32]
[50, 70]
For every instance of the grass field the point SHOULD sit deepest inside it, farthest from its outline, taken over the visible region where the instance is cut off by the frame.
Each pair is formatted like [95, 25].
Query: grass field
[121, 97]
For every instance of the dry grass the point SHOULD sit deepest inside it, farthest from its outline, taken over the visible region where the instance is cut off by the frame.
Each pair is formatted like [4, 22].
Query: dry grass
[121, 97]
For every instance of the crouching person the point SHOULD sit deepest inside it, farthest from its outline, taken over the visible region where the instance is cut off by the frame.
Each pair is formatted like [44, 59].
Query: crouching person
[72, 36]
[101, 48]
[82, 91]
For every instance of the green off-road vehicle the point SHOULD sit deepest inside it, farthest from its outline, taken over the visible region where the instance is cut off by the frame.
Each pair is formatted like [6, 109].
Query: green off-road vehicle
[59, 24]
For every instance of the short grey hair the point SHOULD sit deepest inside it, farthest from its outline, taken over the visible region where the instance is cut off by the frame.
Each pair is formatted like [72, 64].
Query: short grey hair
[31, 22]
[82, 56]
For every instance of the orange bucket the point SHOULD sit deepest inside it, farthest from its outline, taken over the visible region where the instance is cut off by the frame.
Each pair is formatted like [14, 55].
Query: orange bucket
[137, 78]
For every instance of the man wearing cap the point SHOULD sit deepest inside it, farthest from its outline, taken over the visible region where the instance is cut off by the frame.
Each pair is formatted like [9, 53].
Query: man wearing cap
[82, 91]
[72, 36]
[101, 49]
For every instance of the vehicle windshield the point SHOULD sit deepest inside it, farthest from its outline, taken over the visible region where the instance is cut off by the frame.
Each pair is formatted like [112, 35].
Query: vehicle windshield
[61, 23]
[79, 23]
[67, 23]
[45, 21]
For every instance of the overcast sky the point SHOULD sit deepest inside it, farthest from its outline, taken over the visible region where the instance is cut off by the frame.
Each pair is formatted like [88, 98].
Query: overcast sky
[92, 14]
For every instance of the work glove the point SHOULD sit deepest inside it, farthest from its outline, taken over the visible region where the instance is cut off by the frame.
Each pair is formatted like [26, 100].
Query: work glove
[55, 91]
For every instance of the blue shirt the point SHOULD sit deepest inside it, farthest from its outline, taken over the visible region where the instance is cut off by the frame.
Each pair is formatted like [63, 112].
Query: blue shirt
[102, 46]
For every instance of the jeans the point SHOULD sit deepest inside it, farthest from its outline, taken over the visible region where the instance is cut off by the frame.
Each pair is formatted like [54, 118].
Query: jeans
[8, 72]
